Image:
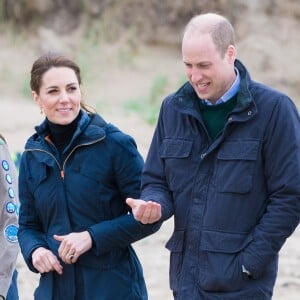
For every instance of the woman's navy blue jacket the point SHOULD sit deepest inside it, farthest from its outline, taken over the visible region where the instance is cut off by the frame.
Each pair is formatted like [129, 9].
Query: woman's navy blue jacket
[85, 190]
[235, 200]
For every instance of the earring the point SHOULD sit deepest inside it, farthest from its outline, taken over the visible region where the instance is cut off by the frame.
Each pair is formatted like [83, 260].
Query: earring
[41, 111]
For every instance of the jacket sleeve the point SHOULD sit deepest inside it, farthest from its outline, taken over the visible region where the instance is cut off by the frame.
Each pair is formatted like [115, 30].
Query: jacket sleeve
[154, 184]
[123, 230]
[9, 206]
[281, 151]
[30, 233]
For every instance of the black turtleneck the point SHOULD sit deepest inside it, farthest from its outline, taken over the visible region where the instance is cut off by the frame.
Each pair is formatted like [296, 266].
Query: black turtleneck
[61, 135]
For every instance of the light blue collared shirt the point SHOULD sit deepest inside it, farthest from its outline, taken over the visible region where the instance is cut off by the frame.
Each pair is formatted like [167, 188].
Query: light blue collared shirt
[230, 93]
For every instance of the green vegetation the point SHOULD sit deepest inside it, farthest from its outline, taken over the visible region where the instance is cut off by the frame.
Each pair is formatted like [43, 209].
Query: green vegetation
[148, 107]
[109, 69]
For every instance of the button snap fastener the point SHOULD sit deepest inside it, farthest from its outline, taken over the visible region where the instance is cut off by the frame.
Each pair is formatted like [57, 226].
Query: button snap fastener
[203, 155]
[249, 113]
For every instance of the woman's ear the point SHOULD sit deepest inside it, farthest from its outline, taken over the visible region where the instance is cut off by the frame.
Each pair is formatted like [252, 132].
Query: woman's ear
[36, 99]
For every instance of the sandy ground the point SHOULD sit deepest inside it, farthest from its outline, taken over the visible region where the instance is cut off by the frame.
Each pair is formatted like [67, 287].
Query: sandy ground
[17, 122]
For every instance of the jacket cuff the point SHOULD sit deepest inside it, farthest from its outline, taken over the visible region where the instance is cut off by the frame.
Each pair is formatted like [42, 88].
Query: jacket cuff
[90, 231]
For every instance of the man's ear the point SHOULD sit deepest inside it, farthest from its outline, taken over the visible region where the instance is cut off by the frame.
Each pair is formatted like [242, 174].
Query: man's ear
[231, 54]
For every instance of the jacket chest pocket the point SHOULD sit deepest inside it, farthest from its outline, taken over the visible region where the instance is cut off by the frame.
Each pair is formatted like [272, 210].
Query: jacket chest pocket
[235, 166]
[176, 154]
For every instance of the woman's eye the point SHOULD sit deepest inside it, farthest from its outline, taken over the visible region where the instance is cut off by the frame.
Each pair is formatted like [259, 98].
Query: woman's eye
[52, 91]
[72, 88]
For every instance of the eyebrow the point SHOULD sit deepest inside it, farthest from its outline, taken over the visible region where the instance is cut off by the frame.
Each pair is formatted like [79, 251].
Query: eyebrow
[55, 86]
[201, 63]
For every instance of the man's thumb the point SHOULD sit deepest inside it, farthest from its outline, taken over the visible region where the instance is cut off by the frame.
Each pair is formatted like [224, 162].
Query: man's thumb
[58, 237]
[130, 202]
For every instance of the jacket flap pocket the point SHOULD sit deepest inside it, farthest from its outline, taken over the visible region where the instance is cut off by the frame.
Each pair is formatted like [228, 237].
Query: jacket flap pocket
[245, 150]
[175, 243]
[177, 148]
[224, 242]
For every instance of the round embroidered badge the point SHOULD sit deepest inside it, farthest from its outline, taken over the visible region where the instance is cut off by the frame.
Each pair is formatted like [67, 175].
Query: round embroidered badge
[11, 233]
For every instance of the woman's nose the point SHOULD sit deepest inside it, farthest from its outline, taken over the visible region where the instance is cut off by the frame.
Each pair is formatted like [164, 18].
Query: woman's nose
[63, 96]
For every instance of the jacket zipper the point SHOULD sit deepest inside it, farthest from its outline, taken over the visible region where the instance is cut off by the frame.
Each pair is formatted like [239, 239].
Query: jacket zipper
[40, 150]
[62, 172]
[61, 168]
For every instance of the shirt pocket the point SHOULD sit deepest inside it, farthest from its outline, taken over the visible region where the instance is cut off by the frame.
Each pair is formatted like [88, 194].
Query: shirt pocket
[235, 166]
[220, 268]
[176, 154]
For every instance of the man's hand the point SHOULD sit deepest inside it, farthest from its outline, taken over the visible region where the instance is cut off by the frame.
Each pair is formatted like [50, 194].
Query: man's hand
[146, 212]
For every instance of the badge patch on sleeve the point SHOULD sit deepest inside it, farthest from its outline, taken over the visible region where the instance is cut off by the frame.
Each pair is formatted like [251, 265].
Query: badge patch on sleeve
[11, 193]
[5, 165]
[11, 233]
[10, 207]
[8, 179]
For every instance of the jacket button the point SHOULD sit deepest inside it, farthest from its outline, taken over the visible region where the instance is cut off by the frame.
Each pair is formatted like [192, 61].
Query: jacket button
[249, 113]
[203, 155]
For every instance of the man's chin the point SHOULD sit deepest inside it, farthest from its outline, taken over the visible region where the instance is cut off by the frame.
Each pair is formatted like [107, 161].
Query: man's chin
[202, 96]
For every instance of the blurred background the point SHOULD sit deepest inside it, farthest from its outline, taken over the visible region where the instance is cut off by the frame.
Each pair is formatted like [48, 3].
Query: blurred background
[129, 54]
[129, 50]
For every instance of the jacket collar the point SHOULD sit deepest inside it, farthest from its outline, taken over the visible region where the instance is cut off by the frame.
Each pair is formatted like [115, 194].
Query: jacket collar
[186, 99]
[91, 127]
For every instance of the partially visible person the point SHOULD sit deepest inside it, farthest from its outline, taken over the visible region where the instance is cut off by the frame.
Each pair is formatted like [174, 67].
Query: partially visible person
[9, 209]
[225, 161]
[75, 174]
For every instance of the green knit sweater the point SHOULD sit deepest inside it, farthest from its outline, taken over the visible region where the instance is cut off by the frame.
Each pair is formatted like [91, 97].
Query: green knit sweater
[215, 116]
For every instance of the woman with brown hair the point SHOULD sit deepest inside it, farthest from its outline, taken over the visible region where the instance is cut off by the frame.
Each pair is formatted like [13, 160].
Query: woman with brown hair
[75, 175]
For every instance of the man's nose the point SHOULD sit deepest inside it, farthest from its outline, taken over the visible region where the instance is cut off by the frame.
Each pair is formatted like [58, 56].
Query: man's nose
[195, 75]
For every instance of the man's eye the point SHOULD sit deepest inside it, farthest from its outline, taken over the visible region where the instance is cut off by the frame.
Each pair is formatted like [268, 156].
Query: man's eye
[204, 66]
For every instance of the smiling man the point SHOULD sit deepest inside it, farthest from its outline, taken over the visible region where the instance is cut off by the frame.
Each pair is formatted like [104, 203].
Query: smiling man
[225, 162]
